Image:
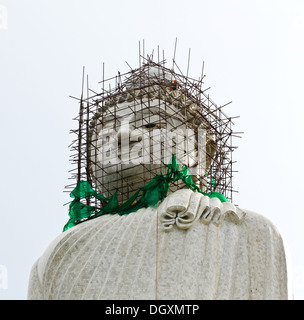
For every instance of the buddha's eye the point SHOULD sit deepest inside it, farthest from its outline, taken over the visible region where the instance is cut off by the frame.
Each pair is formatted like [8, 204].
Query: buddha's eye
[150, 125]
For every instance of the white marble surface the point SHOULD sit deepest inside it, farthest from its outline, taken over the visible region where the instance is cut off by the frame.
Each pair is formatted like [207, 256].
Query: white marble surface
[191, 247]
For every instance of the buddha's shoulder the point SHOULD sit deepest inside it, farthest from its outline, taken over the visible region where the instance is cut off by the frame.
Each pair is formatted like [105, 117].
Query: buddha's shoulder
[61, 248]
[260, 227]
[74, 236]
[78, 238]
[254, 219]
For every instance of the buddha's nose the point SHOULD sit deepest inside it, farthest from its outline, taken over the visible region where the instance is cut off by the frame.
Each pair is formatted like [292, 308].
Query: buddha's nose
[128, 134]
[123, 132]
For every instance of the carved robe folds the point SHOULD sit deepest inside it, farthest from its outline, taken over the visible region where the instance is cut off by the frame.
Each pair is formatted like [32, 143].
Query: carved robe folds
[190, 247]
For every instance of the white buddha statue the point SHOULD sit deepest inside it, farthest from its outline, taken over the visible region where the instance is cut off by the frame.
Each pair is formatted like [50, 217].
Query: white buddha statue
[189, 246]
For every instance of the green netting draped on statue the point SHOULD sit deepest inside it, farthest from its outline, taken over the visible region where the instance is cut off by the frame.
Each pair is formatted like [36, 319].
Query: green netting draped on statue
[151, 195]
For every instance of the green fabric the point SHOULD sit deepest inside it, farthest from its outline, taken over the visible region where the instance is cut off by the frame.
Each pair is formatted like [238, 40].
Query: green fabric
[151, 195]
[84, 190]
[213, 182]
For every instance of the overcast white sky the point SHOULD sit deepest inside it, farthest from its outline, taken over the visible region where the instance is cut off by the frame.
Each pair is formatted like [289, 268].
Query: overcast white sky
[254, 55]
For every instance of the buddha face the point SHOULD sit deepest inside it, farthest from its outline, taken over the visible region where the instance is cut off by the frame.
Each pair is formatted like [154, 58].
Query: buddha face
[131, 143]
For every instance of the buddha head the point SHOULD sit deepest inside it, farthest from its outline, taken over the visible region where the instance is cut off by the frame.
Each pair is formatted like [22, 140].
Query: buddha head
[135, 132]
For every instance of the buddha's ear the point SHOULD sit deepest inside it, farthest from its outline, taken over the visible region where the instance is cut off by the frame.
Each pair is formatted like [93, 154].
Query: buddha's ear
[210, 152]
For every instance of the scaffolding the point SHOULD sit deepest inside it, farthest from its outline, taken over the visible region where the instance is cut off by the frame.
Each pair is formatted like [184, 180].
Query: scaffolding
[127, 131]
